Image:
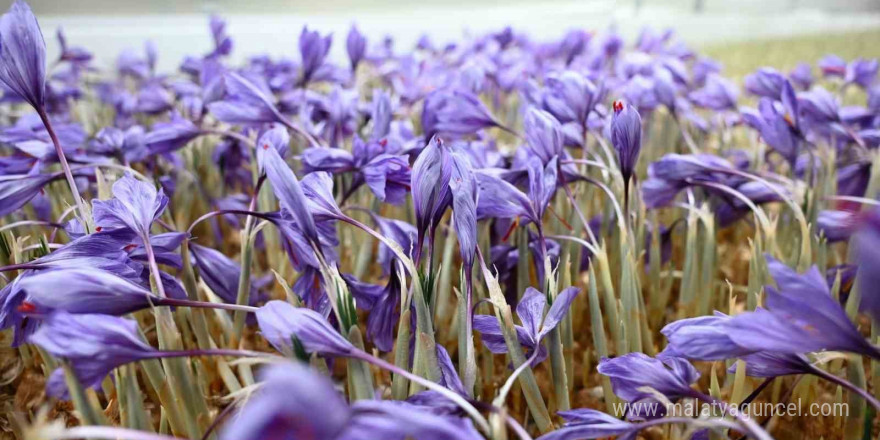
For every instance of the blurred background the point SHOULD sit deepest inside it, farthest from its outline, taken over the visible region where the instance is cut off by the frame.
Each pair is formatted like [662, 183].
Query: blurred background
[748, 32]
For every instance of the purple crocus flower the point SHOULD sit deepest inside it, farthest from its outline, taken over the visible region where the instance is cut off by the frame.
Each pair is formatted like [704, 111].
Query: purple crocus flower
[246, 102]
[703, 338]
[128, 145]
[135, 205]
[836, 225]
[356, 46]
[456, 113]
[868, 245]
[463, 186]
[500, 199]
[766, 82]
[86, 290]
[382, 302]
[165, 137]
[23, 54]
[17, 190]
[802, 75]
[222, 42]
[219, 272]
[633, 373]
[626, 136]
[543, 135]
[832, 65]
[289, 191]
[535, 323]
[280, 322]
[775, 124]
[93, 345]
[75, 55]
[313, 49]
[802, 317]
[862, 72]
[431, 195]
[717, 94]
[571, 97]
[319, 411]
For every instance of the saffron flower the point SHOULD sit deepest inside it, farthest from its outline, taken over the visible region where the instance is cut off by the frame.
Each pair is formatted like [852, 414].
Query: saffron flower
[535, 323]
[626, 136]
[94, 345]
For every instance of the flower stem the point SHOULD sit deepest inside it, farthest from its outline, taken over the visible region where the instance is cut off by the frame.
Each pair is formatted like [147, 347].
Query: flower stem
[206, 305]
[64, 165]
[848, 385]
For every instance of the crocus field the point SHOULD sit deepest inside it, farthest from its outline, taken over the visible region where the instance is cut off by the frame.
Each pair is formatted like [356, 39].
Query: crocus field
[498, 238]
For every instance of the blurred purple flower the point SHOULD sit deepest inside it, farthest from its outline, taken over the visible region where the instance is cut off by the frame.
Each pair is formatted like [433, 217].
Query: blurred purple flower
[320, 412]
[802, 75]
[765, 82]
[23, 54]
[868, 246]
[17, 190]
[355, 46]
[165, 137]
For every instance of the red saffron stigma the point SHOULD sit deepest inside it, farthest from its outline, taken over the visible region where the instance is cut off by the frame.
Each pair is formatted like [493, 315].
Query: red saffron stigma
[265, 146]
[27, 307]
[618, 106]
[98, 229]
[510, 231]
[129, 248]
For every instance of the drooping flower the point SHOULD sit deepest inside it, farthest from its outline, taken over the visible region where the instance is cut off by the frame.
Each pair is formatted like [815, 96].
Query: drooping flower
[219, 272]
[570, 97]
[23, 54]
[801, 317]
[94, 345]
[634, 374]
[535, 323]
[626, 136]
[85, 290]
[704, 338]
[836, 225]
[17, 190]
[280, 322]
